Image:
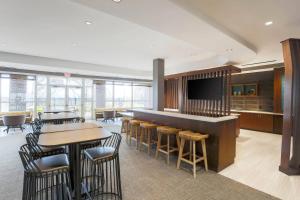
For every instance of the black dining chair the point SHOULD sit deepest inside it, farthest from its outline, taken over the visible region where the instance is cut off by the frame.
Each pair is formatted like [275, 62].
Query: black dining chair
[36, 126]
[102, 169]
[38, 151]
[45, 178]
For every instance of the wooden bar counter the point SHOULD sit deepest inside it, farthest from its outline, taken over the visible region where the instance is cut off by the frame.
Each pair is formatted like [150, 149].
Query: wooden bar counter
[221, 144]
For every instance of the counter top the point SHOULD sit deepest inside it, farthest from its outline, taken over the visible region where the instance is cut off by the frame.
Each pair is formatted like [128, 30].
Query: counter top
[186, 116]
[256, 112]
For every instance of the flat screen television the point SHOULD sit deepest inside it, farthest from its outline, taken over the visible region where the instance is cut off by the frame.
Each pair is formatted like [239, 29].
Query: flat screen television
[206, 89]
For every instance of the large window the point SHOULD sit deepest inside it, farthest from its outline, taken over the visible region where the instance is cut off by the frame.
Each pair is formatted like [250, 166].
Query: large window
[4, 93]
[109, 94]
[142, 96]
[119, 94]
[17, 92]
[122, 95]
[40, 93]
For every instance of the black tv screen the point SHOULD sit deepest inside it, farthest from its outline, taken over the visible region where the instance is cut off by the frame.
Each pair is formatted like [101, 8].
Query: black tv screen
[206, 89]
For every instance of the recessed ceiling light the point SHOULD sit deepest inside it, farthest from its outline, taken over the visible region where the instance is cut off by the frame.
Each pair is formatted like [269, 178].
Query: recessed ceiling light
[74, 44]
[88, 22]
[117, 1]
[268, 23]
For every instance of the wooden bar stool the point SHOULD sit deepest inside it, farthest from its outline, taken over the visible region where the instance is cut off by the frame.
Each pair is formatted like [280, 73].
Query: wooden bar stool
[147, 130]
[134, 126]
[125, 125]
[166, 149]
[193, 158]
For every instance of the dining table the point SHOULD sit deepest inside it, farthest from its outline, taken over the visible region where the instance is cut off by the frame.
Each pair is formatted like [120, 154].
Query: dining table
[58, 118]
[60, 111]
[73, 139]
[51, 128]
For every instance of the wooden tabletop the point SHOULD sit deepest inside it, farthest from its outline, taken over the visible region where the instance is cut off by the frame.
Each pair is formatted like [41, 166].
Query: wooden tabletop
[72, 137]
[59, 111]
[50, 116]
[127, 114]
[50, 128]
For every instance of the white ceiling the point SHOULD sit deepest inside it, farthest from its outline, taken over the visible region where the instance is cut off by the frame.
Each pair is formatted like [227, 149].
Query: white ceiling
[125, 37]
[245, 19]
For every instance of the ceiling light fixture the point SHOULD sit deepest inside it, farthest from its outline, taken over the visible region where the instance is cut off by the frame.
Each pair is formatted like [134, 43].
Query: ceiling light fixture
[117, 1]
[268, 23]
[88, 22]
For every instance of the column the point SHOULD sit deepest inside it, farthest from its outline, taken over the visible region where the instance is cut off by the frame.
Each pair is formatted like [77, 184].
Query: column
[158, 84]
[291, 125]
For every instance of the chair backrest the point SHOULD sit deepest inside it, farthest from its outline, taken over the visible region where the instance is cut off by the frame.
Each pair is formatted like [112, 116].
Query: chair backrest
[27, 159]
[14, 120]
[32, 141]
[114, 141]
[36, 126]
[109, 114]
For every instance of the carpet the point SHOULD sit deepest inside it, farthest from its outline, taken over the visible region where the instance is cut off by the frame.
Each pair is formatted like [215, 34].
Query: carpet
[143, 177]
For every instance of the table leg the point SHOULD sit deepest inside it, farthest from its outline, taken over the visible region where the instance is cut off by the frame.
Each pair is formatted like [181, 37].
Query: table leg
[75, 171]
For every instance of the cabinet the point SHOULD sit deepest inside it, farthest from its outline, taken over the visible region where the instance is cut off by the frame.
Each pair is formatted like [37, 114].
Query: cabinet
[261, 122]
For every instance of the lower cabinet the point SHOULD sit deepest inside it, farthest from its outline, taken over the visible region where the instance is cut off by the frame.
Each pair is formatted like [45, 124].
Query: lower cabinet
[261, 122]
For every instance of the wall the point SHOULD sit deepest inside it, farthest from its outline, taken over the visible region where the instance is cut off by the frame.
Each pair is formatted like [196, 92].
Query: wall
[264, 100]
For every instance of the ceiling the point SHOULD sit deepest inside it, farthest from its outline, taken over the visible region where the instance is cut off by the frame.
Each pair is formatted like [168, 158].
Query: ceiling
[125, 37]
[245, 19]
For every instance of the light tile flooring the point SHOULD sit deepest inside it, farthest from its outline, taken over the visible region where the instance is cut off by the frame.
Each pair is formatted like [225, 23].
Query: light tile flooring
[256, 165]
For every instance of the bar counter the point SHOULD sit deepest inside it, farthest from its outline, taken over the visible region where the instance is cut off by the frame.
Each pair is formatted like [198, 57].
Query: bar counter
[221, 144]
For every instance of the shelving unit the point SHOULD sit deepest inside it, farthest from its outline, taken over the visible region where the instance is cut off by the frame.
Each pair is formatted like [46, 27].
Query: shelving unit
[244, 90]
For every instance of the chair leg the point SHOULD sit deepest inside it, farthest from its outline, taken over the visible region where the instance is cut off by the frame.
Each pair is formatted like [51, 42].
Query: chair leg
[158, 144]
[149, 140]
[168, 149]
[194, 159]
[180, 152]
[137, 137]
[204, 154]
[131, 133]
[191, 150]
[142, 132]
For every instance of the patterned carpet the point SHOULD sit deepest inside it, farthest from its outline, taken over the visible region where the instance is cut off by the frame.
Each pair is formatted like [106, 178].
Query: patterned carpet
[143, 177]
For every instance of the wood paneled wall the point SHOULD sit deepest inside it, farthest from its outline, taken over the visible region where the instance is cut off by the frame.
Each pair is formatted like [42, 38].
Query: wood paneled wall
[265, 91]
[212, 108]
[171, 93]
[278, 76]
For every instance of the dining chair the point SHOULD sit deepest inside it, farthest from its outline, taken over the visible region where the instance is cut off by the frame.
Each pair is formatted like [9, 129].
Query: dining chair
[38, 151]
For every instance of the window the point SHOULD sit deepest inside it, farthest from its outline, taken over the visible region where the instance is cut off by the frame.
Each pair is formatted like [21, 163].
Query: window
[17, 93]
[119, 94]
[4, 94]
[142, 96]
[109, 91]
[41, 95]
[122, 95]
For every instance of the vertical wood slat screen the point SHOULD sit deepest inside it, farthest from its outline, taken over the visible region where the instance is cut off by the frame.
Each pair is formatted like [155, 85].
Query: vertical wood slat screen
[171, 93]
[211, 108]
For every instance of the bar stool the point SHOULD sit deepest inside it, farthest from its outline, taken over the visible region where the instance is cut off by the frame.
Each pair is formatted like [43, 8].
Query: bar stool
[193, 157]
[125, 125]
[134, 126]
[102, 169]
[45, 178]
[147, 130]
[167, 131]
